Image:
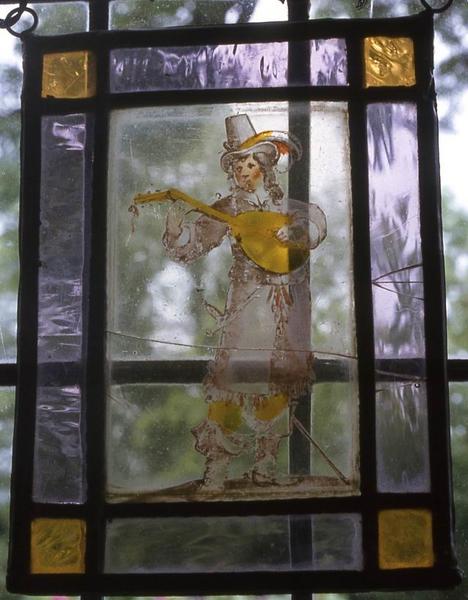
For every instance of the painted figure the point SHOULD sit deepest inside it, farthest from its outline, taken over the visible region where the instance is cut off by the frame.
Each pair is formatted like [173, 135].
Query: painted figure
[263, 362]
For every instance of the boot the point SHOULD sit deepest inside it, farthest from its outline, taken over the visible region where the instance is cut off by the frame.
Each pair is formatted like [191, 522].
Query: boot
[216, 471]
[219, 449]
[266, 455]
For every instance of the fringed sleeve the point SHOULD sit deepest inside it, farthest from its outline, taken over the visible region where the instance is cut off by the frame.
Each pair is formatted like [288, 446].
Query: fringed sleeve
[197, 238]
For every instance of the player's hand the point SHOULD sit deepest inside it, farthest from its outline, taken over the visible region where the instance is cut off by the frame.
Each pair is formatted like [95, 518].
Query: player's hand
[283, 234]
[173, 224]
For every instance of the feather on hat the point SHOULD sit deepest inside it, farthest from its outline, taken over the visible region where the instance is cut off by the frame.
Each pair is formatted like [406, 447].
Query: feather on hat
[242, 139]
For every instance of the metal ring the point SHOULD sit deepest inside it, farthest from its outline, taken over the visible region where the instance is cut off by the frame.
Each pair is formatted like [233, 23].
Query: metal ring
[15, 15]
[10, 19]
[441, 9]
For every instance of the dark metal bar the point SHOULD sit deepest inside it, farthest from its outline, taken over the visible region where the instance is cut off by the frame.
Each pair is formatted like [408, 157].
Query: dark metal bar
[300, 529]
[434, 304]
[214, 96]
[363, 299]
[332, 504]
[95, 389]
[298, 10]
[98, 15]
[8, 374]
[144, 372]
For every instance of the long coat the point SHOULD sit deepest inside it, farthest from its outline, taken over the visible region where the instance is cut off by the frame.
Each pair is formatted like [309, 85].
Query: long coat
[264, 347]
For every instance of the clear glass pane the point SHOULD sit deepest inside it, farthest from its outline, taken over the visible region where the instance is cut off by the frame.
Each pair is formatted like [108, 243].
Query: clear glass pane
[56, 18]
[376, 8]
[402, 445]
[182, 289]
[231, 544]
[58, 467]
[140, 14]
[402, 434]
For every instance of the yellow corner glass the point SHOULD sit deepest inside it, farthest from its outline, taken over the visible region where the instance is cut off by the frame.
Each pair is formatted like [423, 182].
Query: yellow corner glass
[389, 61]
[69, 75]
[405, 539]
[58, 546]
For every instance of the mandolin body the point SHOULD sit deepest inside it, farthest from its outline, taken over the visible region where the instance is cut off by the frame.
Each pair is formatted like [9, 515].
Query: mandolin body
[255, 231]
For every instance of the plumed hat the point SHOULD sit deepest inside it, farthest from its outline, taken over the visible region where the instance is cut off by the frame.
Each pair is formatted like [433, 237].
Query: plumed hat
[242, 139]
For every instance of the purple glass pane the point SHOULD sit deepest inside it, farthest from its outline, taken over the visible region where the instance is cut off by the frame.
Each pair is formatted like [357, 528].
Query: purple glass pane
[58, 467]
[328, 62]
[202, 67]
[398, 299]
[395, 231]
[232, 544]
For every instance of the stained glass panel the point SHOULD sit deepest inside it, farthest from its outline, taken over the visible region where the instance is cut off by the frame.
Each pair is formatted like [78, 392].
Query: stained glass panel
[182, 289]
[199, 388]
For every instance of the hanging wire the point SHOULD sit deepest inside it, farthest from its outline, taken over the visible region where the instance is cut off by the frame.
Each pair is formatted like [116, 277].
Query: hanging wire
[14, 16]
[438, 10]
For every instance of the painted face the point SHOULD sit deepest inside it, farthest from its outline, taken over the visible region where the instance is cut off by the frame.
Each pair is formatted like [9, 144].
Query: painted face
[247, 173]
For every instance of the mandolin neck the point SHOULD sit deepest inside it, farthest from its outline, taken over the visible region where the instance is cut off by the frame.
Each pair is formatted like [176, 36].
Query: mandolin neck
[174, 194]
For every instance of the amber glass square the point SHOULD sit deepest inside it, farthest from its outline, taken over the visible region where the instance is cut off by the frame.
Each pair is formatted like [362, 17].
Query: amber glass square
[58, 546]
[389, 61]
[405, 539]
[69, 75]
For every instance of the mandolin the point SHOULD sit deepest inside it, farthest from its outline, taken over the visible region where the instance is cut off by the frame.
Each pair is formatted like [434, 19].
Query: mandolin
[255, 231]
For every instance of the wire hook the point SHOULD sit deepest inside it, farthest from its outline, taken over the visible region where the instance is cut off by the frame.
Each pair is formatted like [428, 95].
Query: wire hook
[441, 9]
[15, 15]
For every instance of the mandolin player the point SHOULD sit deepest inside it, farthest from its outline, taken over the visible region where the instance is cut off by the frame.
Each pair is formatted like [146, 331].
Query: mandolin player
[263, 362]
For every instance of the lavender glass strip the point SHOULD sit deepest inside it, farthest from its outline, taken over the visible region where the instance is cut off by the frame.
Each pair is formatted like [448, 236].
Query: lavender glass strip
[398, 299]
[58, 464]
[328, 62]
[199, 67]
[224, 66]
[230, 544]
